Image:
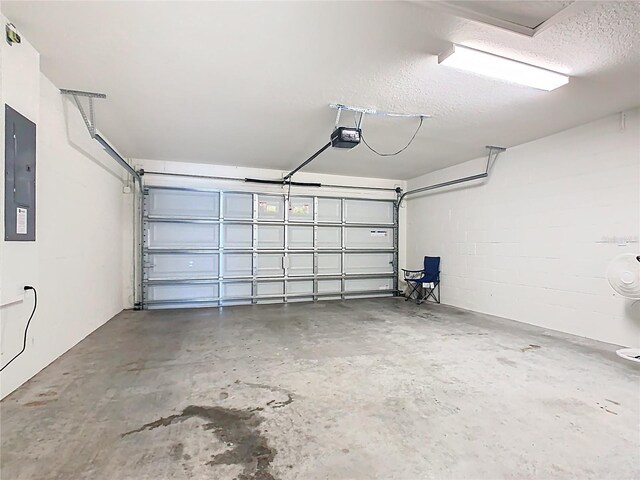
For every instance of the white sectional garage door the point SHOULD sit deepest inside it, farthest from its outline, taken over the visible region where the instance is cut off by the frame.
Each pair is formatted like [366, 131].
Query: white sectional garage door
[213, 248]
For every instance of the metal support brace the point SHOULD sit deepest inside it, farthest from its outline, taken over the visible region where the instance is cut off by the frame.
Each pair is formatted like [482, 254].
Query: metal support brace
[89, 121]
[491, 158]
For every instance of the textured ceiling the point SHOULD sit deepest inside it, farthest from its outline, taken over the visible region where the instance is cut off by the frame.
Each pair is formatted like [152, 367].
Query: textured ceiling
[240, 83]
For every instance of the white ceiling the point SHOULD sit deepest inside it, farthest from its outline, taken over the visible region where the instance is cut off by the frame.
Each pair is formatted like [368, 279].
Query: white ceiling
[242, 83]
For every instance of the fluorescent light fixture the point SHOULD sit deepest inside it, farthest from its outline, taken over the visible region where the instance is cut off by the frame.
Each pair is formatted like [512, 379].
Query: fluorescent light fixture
[503, 68]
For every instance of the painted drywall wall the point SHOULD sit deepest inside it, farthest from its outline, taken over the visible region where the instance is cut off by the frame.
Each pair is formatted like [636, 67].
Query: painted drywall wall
[74, 262]
[244, 172]
[533, 242]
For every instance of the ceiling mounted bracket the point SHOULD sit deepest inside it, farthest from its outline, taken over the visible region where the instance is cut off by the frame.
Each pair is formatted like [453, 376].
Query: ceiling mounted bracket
[372, 111]
[89, 120]
[338, 117]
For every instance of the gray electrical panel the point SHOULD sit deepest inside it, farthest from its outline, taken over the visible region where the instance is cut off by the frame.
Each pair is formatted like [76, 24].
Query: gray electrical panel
[19, 177]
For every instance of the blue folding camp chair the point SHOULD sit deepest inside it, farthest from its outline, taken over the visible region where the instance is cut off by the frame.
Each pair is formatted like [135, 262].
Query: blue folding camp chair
[424, 283]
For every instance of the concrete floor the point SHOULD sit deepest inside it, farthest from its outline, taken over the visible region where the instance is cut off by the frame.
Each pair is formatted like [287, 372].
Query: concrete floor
[361, 389]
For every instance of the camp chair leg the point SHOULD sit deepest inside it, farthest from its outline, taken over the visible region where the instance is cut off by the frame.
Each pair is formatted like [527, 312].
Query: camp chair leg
[420, 294]
[431, 293]
[414, 289]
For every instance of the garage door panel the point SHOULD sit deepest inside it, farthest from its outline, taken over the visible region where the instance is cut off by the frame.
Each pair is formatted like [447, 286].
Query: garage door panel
[374, 263]
[301, 209]
[300, 264]
[300, 237]
[181, 266]
[182, 292]
[238, 236]
[182, 235]
[368, 211]
[268, 289]
[368, 284]
[329, 286]
[270, 207]
[238, 206]
[329, 264]
[329, 237]
[300, 287]
[237, 293]
[177, 203]
[367, 295]
[329, 210]
[270, 265]
[270, 236]
[237, 265]
[173, 306]
[365, 238]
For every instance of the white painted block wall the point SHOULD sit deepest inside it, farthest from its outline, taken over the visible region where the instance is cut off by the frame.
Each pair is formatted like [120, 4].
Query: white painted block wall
[533, 243]
[75, 261]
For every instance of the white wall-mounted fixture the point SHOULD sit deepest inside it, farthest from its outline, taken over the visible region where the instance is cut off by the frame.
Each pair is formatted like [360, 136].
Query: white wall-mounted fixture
[491, 65]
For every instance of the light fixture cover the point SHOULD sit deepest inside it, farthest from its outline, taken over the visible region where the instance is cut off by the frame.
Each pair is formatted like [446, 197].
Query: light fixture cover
[491, 65]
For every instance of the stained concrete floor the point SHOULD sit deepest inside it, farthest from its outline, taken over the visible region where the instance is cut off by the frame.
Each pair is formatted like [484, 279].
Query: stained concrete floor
[360, 389]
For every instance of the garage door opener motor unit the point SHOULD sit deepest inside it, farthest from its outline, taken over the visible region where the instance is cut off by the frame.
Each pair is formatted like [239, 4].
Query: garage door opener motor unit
[345, 137]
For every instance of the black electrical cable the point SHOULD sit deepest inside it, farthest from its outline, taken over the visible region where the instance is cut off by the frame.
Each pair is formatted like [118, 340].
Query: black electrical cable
[26, 329]
[399, 151]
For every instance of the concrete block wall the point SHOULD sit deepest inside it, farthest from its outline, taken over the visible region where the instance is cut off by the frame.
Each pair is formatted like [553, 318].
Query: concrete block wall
[533, 242]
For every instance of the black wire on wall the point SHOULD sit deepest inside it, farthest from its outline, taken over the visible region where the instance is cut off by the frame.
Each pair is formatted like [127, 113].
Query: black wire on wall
[26, 329]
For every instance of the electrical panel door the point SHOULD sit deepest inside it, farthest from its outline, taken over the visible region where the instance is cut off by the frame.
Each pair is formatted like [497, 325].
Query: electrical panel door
[19, 177]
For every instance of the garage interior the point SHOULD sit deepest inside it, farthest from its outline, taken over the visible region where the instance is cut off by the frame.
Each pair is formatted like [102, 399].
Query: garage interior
[320, 240]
